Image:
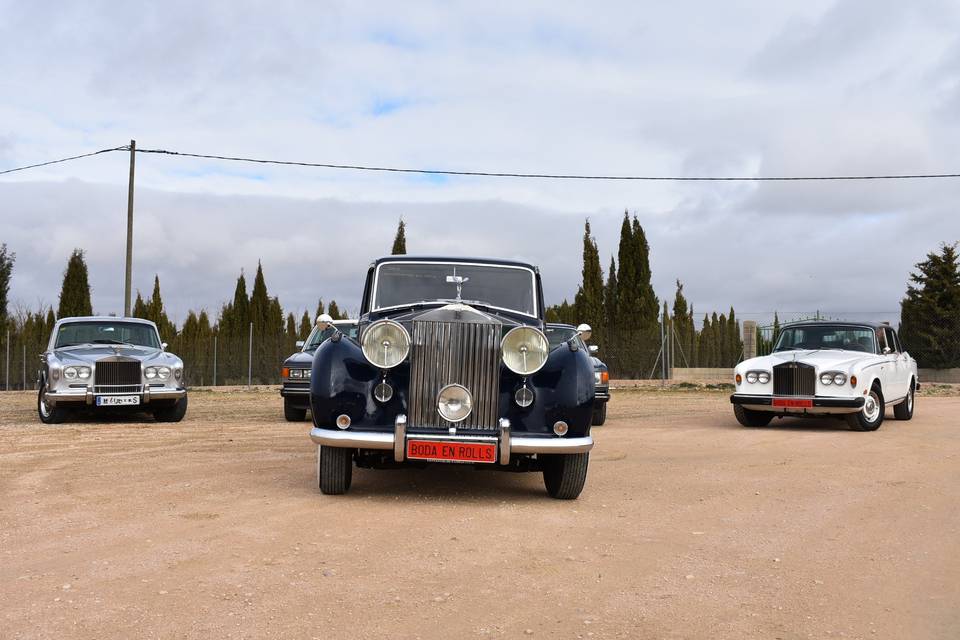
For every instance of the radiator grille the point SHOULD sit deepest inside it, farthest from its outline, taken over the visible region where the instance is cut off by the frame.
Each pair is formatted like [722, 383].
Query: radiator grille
[794, 379]
[114, 376]
[466, 353]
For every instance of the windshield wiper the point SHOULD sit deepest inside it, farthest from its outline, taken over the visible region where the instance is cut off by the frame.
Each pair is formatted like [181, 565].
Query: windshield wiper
[112, 341]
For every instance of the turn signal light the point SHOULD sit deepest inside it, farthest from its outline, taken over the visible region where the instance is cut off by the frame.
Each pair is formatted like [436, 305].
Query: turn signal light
[739, 378]
[853, 381]
[285, 372]
[604, 377]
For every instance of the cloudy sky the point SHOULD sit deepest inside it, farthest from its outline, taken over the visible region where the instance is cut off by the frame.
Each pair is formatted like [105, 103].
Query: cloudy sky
[682, 88]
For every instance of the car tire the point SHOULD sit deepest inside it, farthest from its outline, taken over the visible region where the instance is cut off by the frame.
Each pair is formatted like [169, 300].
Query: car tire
[751, 418]
[599, 415]
[565, 474]
[871, 416]
[292, 413]
[335, 468]
[47, 413]
[173, 413]
[904, 410]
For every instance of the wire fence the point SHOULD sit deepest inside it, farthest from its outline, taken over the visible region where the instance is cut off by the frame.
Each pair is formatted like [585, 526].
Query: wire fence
[651, 353]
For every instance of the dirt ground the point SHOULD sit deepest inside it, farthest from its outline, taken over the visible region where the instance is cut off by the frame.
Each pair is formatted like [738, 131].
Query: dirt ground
[690, 527]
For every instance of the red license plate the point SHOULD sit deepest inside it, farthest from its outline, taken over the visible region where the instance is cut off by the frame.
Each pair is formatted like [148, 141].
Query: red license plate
[793, 402]
[452, 451]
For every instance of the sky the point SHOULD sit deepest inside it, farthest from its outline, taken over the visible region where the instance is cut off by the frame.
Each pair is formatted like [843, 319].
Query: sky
[665, 89]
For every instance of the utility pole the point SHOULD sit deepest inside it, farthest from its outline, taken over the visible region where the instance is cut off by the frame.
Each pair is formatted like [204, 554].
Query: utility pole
[126, 282]
[214, 360]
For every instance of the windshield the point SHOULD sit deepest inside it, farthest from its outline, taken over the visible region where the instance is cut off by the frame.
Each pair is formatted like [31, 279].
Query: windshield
[558, 335]
[317, 336]
[107, 332]
[504, 287]
[827, 337]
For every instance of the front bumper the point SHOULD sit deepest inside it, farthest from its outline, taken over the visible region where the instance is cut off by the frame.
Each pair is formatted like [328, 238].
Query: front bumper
[88, 397]
[818, 404]
[507, 444]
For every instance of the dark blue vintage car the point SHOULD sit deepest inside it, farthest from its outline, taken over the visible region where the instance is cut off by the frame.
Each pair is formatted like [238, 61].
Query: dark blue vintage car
[452, 365]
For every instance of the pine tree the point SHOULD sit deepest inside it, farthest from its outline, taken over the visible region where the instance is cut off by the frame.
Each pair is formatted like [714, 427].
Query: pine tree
[320, 308]
[139, 307]
[734, 339]
[589, 299]
[305, 326]
[400, 240]
[704, 343]
[683, 328]
[154, 312]
[610, 299]
[75, 292]
[648, 300]
[930, 310]
[334, 311]
[6, 270]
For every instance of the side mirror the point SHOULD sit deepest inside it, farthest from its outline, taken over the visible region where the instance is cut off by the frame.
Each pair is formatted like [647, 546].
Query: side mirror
[300, 344]
[887, 350]
[585, 331]
[324, 321]
[593, 348]
[163, 345]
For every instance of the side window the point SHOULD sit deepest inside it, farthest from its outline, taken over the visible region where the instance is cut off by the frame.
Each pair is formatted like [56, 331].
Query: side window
[892, 339]
[881, 339]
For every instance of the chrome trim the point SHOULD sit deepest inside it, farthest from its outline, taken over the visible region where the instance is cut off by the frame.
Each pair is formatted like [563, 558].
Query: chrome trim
[352, 439]
[388, 440]
[464, 353]
[400, 438]
[504, 441]
[533, 276]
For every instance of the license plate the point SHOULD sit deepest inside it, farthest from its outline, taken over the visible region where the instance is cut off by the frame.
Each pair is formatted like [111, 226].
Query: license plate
[117, 401]
[793, 403]
[452, 451]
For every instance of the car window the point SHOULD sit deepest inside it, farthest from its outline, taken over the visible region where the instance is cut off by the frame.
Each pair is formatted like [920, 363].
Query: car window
[826, 336]
[892, 339]
[106, 332]
[881, 339]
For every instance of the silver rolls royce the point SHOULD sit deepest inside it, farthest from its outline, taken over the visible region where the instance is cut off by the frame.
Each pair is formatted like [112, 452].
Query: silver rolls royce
[100, 363]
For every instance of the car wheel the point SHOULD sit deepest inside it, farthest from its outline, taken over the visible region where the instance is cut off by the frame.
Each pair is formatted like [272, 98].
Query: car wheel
[751, 418]
[871, 416]
[600, 415]
[335, 468]
[292, 413]
[48, 413]
[173, 413]
[565, 474]
[904, 410]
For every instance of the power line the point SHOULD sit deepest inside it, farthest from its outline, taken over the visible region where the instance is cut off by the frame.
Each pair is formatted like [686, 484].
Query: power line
[552, 176]
[502, 174]
[44, 164]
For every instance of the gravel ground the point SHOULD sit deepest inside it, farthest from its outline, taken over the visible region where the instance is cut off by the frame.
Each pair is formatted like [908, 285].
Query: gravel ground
[690, 527]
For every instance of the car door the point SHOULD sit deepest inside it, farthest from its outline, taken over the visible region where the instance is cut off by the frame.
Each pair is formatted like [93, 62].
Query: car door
[904, 370]
[897, 385]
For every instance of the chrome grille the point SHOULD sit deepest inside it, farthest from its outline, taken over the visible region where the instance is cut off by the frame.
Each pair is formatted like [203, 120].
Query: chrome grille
[466, 353]
[117, 376]
[794, 379]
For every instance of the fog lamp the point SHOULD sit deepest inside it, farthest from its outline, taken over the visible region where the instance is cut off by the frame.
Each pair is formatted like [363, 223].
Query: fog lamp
[524, 397]
[454, 403]
[383, 392]
[560, 427]
[343, 421]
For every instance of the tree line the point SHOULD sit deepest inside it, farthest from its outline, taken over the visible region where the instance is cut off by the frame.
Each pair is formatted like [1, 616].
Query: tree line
[627, 318]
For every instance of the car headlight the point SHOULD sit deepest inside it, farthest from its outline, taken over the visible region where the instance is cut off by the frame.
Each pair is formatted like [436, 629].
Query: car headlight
[751, 376]
[763, 377]
[839, 379]
[157, 373]
[596, 377]
[385, 344]
[296, 373]
[72, 373]
[454, 403]
[826, 379]
[524, 350]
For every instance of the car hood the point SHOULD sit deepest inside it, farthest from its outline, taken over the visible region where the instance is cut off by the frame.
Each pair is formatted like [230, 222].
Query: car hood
[304, 358]
[92, 353]
[822, 359]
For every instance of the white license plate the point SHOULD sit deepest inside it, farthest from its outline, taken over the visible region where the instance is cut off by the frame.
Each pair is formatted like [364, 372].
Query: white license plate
[117, 401]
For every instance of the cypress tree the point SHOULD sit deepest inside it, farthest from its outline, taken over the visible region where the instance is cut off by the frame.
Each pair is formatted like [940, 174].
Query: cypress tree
[320, 309]
[155, 313]
[648, 300]
[305, 326]
[334, 311]
[589, 299]
[6, 270]
[683, 328]
[929, 311]
[400, 240]
[610, 299]
[704, 347]
[735, 339]
[75, 292]
[139, 307]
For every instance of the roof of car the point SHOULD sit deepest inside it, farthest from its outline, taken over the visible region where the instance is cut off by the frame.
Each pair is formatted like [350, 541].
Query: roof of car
[846, 323]
[104, 319]
[455, 259]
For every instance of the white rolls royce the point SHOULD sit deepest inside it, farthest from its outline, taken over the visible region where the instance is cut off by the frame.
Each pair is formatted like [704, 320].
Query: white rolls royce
[853, 370]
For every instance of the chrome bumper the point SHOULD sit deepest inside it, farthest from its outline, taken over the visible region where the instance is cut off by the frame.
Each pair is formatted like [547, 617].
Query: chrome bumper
[508, 444]
[88, 397]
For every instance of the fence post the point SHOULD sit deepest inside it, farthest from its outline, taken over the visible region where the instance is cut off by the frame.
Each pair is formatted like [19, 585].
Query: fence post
[214, 361]
[250, 359]
[24, 366]
[663, 358]
[7, 379]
